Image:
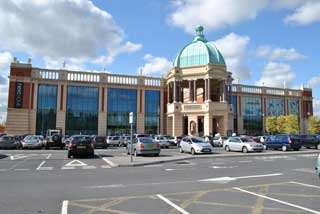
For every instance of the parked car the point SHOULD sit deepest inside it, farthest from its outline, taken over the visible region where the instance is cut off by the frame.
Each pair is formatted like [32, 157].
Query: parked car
[9, 142]
[54, 139]
[310, 141]
[113, 141]
[195, 145]
[31, 142]
[209, 139]
[163, 141]
[144, 146]
[99, 142]
[243, 144]
[219, 140]
[175, 140]
[318, 166]
[80, 145]
[284, 142]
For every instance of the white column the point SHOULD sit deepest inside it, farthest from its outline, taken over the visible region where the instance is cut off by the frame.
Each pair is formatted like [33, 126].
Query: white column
[190, 91]
[209, 90]
[205, 90]
[168, 98]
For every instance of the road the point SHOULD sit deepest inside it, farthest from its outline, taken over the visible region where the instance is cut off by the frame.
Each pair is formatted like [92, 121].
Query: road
[46, 182]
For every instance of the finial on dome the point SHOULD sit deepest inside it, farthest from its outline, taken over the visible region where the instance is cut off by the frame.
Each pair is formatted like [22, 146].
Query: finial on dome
[199, 30]
[199, 34]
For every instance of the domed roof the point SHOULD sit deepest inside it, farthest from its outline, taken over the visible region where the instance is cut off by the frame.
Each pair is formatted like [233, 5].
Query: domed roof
[199, 52]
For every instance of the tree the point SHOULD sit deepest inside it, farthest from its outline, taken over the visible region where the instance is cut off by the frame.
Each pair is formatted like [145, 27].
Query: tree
[281, 124]
[292, 125]
[271, 125]
[313, 125]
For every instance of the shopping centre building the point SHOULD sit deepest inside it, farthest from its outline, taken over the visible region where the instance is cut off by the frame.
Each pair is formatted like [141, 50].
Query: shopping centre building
[197, 97]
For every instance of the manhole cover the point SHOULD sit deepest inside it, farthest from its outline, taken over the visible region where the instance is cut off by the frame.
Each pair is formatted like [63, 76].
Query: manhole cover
[183, 163]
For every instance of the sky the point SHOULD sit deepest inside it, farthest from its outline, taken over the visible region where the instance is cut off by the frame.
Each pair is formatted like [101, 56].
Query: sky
[270, 42]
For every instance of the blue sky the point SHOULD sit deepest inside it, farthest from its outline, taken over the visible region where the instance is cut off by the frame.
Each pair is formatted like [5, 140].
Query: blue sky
[263, 41]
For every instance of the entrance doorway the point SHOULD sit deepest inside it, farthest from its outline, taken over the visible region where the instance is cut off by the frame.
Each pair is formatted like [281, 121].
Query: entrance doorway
[200, 125]
[185, 125]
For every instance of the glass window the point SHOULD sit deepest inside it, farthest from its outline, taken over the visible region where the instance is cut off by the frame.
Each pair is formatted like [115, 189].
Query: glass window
[252, 114]
[82, 110]
[152, 111]
[46, 108]
[120, 102]
[275, 106]
[293, 106]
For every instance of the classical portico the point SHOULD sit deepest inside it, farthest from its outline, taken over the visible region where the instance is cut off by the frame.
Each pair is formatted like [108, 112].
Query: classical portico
[197, 91]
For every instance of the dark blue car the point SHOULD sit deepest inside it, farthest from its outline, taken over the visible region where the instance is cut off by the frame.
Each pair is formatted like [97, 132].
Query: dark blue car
[284, 142]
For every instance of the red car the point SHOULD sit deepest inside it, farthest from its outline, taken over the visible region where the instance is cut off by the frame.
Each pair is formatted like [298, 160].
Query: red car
[80, 145]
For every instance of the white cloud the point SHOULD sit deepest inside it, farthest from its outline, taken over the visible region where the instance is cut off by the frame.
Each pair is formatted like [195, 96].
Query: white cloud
[314, 81]
[213, 14]
[61, 30]
[5, 60]
[234, 48]
[316, 107]
[155, 65]
[306, 14]
[279, 53]
[276, 75]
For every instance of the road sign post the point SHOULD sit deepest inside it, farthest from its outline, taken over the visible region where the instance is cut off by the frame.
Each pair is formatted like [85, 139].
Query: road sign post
[131, 136]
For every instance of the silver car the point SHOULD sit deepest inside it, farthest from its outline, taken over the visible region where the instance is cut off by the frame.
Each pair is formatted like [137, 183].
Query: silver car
[113, 140]
[195, 145]
[242, 144]
[144, 146]
[162, 140]
[32, 142]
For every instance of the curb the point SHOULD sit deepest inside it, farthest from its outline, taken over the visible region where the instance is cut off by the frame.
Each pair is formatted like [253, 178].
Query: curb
[213, 156]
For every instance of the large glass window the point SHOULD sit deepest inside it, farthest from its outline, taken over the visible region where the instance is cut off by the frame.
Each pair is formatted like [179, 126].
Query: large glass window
[275, 107]
[46, 108]
[252, 114]
[152, 112]
[120, 102]
[82, 110]
[293, 106]
[235, 110]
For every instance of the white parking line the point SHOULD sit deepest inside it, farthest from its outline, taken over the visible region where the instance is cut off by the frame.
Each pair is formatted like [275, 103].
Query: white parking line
[303, 184]
[172, 204]
[41, 164]
[49, 155]
[245, 161]
[64, 208]
[21, 169]
[109, 162]
[276, 200]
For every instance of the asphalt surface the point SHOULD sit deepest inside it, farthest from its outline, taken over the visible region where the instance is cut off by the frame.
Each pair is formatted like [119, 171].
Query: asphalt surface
[45, 181]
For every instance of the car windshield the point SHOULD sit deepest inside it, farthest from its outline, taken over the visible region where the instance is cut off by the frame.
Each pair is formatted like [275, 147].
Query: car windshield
[99, 139]
[5, 138]
[81, 138]
[197, 140]
[146, 140]
[243, 139]
[162, 138]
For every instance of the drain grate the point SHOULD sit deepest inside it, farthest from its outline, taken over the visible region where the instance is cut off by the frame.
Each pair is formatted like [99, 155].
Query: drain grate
[183, 162]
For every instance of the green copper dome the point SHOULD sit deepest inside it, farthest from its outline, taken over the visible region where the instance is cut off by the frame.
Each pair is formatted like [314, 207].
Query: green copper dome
[199, 52]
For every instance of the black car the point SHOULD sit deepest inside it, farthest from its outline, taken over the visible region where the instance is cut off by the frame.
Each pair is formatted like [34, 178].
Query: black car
[310, 141]
[99, 142]
[9, 142]
[80, 145]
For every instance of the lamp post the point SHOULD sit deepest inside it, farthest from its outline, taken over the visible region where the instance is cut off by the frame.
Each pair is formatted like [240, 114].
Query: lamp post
[131, 143]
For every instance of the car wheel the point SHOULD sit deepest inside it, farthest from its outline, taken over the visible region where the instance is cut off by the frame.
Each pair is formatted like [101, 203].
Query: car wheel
[318, 146]
[181, 150]
[245, 149]
[296, 149]
[284, 148]
[156, 155]
[227, 148]
[192, 151]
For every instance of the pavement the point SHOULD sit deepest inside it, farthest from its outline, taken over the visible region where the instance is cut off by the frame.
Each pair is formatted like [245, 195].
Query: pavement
[45, 181]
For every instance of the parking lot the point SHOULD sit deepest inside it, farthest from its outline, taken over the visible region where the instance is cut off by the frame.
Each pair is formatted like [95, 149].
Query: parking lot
[245, 183]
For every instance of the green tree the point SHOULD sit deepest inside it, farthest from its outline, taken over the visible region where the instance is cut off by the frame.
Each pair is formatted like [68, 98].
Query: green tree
[313, 125]
[281, 124]
[292, 125]
[271, 125]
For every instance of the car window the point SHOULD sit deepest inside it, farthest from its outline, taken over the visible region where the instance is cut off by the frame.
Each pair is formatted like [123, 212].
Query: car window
[146, 140]
[197, 140]
[6, 138]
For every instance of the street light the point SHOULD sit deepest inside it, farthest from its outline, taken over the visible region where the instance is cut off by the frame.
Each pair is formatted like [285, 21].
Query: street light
[263, 125]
